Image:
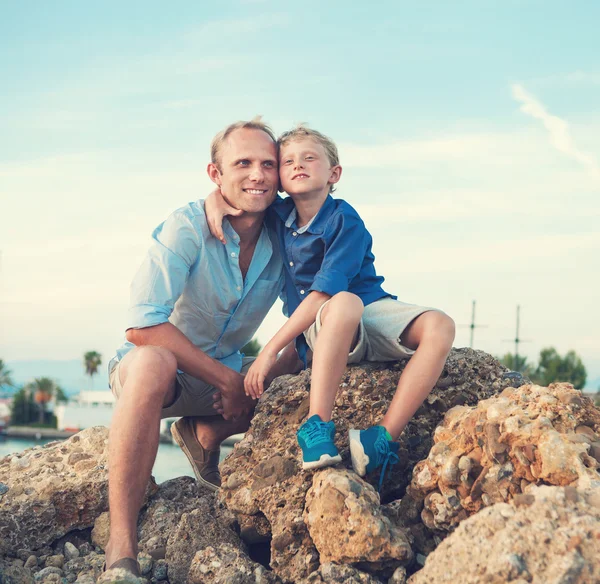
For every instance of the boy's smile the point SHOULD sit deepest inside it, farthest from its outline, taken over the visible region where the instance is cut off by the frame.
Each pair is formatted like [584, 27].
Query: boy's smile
[304, 168]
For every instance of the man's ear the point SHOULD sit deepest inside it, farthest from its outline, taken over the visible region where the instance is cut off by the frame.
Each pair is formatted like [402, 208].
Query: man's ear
[214, 173]
[336, 174]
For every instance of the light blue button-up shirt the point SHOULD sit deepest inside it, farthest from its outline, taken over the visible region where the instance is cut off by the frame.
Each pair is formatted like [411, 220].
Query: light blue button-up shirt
[189, 278]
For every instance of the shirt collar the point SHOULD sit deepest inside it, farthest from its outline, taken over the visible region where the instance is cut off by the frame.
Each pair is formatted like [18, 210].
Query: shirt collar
[287, 212]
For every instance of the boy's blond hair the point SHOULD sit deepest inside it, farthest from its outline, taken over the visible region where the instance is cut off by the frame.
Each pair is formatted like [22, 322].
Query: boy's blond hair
[302, 131]
[255, 123]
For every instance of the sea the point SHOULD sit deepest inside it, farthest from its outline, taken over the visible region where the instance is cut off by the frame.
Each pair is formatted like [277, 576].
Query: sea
[170, 461]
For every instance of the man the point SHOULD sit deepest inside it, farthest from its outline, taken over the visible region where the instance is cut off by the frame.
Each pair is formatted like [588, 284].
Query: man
[194, 304]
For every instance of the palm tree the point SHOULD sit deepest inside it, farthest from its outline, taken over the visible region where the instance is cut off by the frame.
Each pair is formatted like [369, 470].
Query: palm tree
[5, 378]
[91, 361]
[44, 389]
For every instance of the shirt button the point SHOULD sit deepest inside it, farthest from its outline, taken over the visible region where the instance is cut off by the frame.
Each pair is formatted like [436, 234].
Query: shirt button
[301, 291]
[291, 263]
[294, 233]
[238, 288]
[232, 254]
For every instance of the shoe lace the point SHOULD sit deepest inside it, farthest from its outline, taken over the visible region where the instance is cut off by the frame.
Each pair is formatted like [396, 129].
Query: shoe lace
[386, 457]
[315, 432]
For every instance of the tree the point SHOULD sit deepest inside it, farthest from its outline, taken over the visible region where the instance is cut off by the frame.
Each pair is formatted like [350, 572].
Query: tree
[43, 389]
[552, 367]
[251, 349]
[519, 364]
[91, 361]
[5, 375]
[23, 409]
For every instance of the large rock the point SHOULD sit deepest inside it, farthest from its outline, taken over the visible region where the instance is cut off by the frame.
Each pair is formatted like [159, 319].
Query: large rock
[549, 535]
[263, 478]
[494, 451]
[227, 564]
[347, 525]
[50, 490]
[203, 527]
[330, 573]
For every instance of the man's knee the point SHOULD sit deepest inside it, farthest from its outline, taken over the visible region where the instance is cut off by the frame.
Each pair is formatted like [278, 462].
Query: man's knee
[156, 366]
[345, 306]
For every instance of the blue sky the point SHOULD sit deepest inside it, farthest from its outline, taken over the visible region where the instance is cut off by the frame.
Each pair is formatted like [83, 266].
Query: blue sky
[469, 134]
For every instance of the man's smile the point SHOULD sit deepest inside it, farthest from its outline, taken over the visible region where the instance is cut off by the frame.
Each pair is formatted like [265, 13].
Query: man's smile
[255, 191]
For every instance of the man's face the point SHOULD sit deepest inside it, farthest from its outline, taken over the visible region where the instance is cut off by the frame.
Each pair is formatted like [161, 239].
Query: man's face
[304, 167]
[249, 178]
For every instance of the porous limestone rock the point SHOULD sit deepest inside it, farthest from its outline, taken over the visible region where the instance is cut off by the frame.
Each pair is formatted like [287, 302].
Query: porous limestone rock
[330, 573]
[263, 478]
[119, 576]
[490, 453]
[549, 535]
[53, 489]
[14, 574]
[227, 564]
[347, 525]
[196, 530]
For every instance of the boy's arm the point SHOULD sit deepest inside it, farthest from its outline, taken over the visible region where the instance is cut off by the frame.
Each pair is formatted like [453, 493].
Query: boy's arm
[302, 318]
[215, 208]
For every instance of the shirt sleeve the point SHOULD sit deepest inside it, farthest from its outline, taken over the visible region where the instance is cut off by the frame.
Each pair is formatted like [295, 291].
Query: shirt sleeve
[346, 243]
[161, 278]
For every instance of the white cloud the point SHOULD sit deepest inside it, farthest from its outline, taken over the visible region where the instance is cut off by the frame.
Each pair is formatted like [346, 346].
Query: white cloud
[558, 129]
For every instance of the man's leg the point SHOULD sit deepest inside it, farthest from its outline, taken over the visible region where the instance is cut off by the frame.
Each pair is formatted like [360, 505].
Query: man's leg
[148, 378]
[431, 335]
[340, 319]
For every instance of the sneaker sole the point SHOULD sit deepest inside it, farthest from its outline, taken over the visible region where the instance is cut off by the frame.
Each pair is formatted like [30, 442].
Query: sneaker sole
[360, 460]
[175, 433]
[325, 460]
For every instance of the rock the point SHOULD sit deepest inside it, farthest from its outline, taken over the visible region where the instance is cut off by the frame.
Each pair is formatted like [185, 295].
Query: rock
[46, 572]
[52, 490]
[101, 531]
[553, 538]
[11, 574]
[263, 478]
[71, 552]
[118, 576]
[399, 576]
[85, 578]
[333, 573]
[56, 561]
[145, 562]
[195, 531]
[347, 525]
[227, 564]
[492, 452]
[31, 562]
[159, 572]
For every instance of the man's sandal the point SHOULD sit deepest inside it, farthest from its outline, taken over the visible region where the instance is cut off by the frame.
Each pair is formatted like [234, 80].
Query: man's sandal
[128, 564]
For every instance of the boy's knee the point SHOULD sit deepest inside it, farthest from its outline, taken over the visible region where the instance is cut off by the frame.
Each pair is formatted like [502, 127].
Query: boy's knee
[443, 328]
[344, 305]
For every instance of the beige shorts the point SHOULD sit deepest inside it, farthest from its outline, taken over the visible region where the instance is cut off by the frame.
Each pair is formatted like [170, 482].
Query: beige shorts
[380, 330]
[193, 397]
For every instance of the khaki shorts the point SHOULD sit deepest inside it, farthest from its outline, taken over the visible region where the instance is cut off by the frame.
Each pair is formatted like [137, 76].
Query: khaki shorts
[193, 397]
[380, 329]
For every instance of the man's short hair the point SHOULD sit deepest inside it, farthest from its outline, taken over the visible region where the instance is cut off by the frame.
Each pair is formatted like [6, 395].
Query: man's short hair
[255, 123]
[302, 131]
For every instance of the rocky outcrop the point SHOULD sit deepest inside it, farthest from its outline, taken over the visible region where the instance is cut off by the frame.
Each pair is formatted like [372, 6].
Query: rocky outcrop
[263, 478]
[492, 452]
[329, 573]
[550, 535]
[347, 525]
[227, 564]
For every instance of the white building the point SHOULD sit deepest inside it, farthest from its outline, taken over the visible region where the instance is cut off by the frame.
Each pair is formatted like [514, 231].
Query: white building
[88, 408]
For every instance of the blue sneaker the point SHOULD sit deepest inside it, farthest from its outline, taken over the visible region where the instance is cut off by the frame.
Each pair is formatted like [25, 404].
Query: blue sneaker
[371, 449]
[316, 440]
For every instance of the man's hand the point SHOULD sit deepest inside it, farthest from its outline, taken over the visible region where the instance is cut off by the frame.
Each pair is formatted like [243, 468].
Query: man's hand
[215, 208]
[254, 383]
[231, 401]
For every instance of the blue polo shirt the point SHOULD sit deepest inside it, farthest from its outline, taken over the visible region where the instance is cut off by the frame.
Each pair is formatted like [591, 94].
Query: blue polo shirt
[331, 254]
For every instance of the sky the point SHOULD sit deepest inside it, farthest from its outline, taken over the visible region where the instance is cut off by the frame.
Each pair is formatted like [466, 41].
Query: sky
[469, 135]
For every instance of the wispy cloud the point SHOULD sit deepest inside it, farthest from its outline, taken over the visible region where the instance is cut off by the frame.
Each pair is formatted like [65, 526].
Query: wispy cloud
[558, 129]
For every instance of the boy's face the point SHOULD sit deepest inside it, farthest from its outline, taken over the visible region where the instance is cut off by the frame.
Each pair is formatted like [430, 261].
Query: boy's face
[304, 168]
[248, 170]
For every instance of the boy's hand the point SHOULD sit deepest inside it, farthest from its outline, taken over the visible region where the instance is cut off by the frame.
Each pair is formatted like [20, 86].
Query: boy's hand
[215, 208]
[254, 382]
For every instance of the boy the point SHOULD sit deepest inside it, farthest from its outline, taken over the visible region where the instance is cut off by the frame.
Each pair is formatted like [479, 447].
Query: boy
[338, 309]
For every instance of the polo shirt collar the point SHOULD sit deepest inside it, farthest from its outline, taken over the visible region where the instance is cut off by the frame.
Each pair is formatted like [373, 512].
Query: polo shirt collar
[287, 212]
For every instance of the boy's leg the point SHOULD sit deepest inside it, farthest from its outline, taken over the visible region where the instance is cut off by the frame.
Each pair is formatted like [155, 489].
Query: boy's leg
[431, 336]
[340, 319]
